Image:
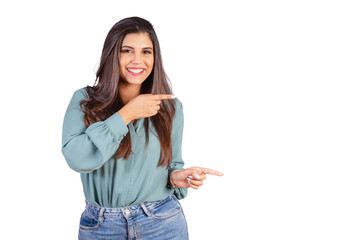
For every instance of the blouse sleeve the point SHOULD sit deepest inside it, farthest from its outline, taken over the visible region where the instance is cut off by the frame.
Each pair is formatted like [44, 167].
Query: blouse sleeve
[87, 149]
[177, 162]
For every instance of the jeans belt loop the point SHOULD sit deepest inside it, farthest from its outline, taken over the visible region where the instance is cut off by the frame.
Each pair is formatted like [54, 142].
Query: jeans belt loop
[101, 215]
[146, 210]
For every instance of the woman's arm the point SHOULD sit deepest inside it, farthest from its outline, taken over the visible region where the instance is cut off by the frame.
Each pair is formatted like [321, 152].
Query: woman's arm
[177, 162]
[87, 149]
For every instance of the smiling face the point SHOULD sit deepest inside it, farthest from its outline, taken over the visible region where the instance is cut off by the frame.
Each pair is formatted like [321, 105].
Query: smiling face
[136, 58]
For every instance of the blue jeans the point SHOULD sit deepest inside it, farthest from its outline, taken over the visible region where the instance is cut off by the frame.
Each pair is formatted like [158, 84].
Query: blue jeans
[163, 219]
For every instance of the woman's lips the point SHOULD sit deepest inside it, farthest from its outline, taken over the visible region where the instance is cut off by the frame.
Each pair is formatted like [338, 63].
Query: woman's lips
[135, 71]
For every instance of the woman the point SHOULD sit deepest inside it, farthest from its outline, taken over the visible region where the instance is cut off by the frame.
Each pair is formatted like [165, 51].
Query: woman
[124, 136]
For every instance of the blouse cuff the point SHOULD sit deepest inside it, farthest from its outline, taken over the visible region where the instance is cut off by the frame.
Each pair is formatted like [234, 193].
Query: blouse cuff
[117, 125]
[180, 193]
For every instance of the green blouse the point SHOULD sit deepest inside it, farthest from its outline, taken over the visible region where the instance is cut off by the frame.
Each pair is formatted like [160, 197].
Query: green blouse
[115, 183]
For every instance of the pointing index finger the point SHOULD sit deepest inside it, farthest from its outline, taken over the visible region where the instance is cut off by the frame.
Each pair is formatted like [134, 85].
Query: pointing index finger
[209, 171]
[163, 96]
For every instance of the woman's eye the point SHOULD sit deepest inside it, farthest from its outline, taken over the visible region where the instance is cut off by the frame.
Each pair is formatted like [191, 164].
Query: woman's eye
[130, 51]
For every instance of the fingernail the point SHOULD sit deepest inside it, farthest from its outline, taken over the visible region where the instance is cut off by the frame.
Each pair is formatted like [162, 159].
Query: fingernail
[190, 176]
[197, 176]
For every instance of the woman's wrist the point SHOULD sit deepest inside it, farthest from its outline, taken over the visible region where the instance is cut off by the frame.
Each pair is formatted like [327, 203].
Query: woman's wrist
[172, 181]
[125, 114]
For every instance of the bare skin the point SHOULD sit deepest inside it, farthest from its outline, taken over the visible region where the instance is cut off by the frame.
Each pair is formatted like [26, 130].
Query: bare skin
[137, 53]
[179, 177]
[142, 106]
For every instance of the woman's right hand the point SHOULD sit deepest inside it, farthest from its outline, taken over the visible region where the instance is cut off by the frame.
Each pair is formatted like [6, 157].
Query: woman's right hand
[142, 106]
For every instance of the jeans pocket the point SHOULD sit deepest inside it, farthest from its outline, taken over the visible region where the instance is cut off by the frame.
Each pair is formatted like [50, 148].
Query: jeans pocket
[89, 221]
[165, 210]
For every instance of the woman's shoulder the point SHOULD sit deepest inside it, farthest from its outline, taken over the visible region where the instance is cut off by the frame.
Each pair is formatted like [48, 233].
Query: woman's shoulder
[81, 93]
[178, 103]
[179, 112]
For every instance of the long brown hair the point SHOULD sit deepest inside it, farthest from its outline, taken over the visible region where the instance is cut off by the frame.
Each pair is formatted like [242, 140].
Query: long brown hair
[104, 97]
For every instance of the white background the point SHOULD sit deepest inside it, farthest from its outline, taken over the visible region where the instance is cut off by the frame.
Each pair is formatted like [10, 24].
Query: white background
[270, 91]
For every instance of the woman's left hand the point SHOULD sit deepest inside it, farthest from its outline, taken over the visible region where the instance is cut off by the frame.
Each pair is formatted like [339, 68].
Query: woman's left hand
[191, 177]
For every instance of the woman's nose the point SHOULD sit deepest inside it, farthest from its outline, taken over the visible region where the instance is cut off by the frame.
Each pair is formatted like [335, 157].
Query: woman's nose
[136, 58]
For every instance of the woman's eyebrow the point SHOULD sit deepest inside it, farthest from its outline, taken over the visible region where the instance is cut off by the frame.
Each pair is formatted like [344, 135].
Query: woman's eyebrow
[133, 48]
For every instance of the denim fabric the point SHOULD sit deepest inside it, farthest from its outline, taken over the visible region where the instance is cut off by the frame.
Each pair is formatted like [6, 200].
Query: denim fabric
[163, 219]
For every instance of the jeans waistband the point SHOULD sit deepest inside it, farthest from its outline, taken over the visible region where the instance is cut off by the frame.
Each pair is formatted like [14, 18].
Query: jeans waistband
[120, 212]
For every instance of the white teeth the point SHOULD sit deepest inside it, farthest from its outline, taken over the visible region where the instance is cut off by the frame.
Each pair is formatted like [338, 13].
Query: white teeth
[135, 70]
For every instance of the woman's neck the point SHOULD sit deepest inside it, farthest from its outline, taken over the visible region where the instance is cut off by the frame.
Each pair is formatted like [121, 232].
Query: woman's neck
[128, 92]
